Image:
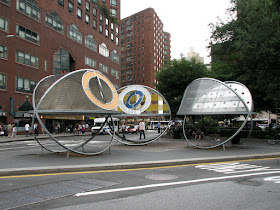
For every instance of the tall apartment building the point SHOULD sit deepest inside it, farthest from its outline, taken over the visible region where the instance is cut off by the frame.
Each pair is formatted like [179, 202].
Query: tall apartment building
[145, 47]
[53, 37]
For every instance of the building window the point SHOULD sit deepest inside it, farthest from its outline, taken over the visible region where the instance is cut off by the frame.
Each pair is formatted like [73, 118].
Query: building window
[54, 22]
[117, 40]
[113, 3]
[25, 85]
[112, 26]
[6, 1]
[103, 68]
[103, 50]
[61, 62]
[104, 1]
[114, 12]
[101, 17]
[87, 19]
[70, 7]
[46, 65]
[107, 22]
[117, 31]
[3, 81]
[4, 24]
[60, 2]
[90, 62]
[94, 11]
[94, 24]
[91, 43]
[101, 29]
[27, 34]
[106, 32]
[115, 57]
[27, 59]
[3, 51]
[75, 34]
[114, 73]
[79, 2]
[112, 37]
[79, 13]
[29, 9]
[87, 6]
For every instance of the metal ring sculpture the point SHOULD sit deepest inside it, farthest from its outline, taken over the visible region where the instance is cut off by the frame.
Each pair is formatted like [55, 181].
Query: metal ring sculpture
[141, 102]
[207, 96]
[81, 92]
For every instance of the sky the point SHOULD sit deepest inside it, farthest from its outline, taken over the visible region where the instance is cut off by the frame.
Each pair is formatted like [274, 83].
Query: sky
[191, 16]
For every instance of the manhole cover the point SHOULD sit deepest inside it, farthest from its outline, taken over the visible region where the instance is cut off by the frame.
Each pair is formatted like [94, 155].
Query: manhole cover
[161, 177]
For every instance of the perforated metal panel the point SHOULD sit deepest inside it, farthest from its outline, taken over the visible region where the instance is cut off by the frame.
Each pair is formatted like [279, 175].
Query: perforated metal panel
[207, 96]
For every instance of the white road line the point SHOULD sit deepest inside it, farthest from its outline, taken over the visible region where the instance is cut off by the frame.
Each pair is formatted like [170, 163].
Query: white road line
[172, 183]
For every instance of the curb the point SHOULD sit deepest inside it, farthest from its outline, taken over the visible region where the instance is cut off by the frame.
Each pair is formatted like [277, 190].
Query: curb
[129, 165]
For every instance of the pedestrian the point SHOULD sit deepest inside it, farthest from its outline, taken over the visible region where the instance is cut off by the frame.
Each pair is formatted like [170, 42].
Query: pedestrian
[9, 128]
[87, 126]
[71, 128]
[57, 128]
[158, 126]
[14, 131]
[142, 128]
[80, 127]
[123, 130]
[26, 128]
[83, 129]
[36, 129]
[2, 133]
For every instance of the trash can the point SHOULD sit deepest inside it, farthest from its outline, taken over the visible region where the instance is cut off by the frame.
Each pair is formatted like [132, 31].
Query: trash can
[176, 132]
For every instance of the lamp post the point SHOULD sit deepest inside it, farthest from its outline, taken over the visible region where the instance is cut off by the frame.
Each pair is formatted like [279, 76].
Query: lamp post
[7, 36]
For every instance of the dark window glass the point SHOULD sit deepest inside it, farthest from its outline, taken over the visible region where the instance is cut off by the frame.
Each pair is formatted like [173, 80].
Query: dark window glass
[3, 51]
[70, 7]
[61, 62]
[60, 2]
[2, 81]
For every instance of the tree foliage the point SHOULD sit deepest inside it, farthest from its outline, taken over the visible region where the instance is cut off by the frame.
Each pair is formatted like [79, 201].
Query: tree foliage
[175, 77]
[247, 48]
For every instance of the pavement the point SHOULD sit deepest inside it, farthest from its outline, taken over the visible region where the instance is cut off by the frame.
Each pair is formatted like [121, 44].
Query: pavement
[166, 151]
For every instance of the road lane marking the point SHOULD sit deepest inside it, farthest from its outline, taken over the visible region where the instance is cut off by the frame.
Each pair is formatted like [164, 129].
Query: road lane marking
[231, 168]
[275, 179]
[172, 183]
[124, 170]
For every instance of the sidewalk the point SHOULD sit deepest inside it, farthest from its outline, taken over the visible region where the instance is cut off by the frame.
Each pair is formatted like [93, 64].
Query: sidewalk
[165, 152]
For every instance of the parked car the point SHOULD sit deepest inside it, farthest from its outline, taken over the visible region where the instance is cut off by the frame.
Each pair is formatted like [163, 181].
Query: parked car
[132, 129]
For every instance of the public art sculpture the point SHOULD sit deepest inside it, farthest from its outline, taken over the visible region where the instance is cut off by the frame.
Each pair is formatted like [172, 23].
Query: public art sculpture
[211, 97]
[140, 102]
[84, 92]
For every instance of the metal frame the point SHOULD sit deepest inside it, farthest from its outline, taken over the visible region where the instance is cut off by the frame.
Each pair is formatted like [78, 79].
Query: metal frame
[131, 142]
[248, 113]
[107, 113]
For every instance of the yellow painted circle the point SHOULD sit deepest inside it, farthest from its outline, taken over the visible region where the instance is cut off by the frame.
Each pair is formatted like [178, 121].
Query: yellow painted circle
[85, 82]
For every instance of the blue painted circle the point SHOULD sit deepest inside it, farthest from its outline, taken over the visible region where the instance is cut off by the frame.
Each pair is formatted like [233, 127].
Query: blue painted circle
[132, 106]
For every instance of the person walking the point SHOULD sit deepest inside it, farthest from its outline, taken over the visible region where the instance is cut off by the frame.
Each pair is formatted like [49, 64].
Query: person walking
[14, 131]
[26, 128]
[142, 128]
[9, 128]
[158, 127]
[36, 129]
[123, 130]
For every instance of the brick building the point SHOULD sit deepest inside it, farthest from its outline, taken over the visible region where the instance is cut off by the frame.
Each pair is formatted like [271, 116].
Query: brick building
[53, 37]
[145, 47]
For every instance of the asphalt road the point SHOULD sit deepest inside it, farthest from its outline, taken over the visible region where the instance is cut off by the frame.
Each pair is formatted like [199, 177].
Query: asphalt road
[248, 184]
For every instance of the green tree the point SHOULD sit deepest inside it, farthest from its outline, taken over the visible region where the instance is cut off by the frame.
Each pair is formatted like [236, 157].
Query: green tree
[249, 46]
[175, 77]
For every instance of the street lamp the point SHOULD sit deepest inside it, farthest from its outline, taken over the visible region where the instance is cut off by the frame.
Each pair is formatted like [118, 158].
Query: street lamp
[7, 36]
